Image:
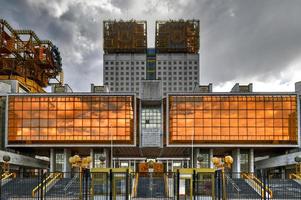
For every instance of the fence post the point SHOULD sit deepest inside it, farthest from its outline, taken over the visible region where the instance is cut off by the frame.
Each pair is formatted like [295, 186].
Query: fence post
[86, 183]
[42, 185]
[218, 184]
[1, 183]
[264, 185]
[127, 184]
[111, 185]
[178, 184]
[193, 185]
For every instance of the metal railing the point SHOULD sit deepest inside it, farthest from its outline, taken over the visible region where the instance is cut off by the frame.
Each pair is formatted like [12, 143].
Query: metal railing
[295, 176]
[6, 176]
[46, 183]
[127, 186]
[258, 185]
[233, 184]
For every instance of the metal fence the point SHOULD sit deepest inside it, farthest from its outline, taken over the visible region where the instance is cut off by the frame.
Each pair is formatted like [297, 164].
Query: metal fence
[39, 184]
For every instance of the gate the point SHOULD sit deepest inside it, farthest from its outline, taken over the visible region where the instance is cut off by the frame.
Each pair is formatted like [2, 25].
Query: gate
[195, 184]
[110, 184]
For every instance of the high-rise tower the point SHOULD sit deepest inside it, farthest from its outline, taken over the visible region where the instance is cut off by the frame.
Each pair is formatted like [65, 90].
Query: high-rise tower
[174, 62]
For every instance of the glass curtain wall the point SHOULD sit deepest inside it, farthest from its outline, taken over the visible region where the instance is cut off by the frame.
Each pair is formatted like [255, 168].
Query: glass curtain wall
[70, 119]
[233, 119]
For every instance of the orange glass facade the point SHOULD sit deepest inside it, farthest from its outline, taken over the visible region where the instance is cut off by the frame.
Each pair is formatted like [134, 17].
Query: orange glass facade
[233, 119]
[70, 119]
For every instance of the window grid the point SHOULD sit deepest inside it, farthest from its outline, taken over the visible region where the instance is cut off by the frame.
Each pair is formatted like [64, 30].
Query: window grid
[85, 119]
[225, 119]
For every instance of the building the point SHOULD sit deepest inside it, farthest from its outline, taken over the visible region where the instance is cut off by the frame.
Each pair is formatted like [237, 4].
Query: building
[143, 119]
[174, 61]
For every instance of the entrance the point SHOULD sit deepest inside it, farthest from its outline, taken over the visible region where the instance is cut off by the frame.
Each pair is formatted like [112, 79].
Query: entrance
[152, 182]
[110, 183]
[193, 182]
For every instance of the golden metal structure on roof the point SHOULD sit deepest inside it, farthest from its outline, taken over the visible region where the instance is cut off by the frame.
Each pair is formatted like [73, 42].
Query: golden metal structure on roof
[177, 36]
[24, 55]
[125, 36]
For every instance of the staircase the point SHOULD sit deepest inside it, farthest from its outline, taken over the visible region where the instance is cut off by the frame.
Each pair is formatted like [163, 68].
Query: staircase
[151, 187]
[19, 188]
[68, 187]
[58, 189]
[239, 189]
[285, 189]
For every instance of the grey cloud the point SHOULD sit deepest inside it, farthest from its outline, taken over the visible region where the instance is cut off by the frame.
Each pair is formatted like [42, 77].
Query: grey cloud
[240, 39]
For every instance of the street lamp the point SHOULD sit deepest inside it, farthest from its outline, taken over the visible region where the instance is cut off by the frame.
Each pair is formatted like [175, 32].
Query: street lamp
[81, 163]
[102, 160]
[298, 166]
[192, 149]
[221, 164]
[6, 160]
[200, 159]
[111, 163]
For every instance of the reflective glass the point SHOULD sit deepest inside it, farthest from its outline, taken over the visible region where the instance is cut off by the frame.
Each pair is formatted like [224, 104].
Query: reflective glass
[70, 119]
[233, 119]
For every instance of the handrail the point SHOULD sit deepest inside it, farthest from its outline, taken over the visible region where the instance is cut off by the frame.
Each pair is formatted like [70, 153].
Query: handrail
[234, 185]
[71, 182]
[135, 185]
[295, 176]
[166, 185]
[46, 182]
[5, 176]
[258, 184]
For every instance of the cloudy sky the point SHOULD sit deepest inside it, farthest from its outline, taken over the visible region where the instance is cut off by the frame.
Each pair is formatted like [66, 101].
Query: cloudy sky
[244, 41]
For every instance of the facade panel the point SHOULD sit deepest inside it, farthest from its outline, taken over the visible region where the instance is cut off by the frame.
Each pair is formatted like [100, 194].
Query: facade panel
[70, 119]
[233, 119]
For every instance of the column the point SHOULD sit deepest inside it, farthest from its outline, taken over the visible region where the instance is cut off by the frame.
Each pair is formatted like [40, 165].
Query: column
[21, 172]
[196, 153]
[210, 158]
[92, 158]
[251, 160]
[167, 165]
[282, 172]
[67, 165]
[236, 162]
[52, 160]
[107, 156]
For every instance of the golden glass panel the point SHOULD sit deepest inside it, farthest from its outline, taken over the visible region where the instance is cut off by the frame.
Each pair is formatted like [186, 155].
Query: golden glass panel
[233, 122]
[251, 105]
[251, 113]
[251, 122]
[261, 118]
[216, 113]
[66, 119]
[216, 122]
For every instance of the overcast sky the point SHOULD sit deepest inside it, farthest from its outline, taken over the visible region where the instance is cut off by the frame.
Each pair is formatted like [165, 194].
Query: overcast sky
[244, 41]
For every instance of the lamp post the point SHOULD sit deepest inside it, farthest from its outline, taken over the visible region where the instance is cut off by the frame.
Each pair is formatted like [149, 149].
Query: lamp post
[298, 165]
[6, 160]
[102, 161]
[200, 159]
[111, 163]
[192, 149]
[81, 163]
[221, 164]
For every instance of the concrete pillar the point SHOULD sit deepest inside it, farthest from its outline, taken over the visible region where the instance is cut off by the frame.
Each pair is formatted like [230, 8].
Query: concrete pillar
[236, 162]
[107, 156]
[282, 172]
[210, 158]
[21, 172]
[167, 165]
[52, 160]
[196, 152]
[92, 164]
[251, 160]
[67, 165]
